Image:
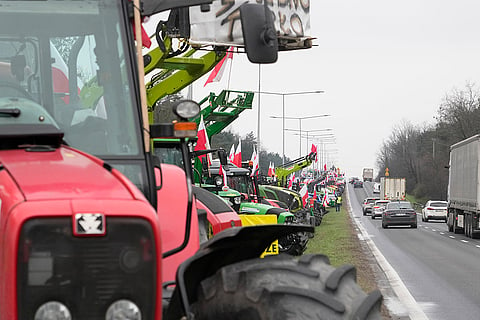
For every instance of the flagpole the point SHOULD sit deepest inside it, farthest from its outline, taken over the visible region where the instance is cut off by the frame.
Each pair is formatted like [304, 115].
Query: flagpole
[258, 110]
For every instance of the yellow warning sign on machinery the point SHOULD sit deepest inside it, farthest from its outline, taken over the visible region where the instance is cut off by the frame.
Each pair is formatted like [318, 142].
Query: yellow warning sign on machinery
[253, 220]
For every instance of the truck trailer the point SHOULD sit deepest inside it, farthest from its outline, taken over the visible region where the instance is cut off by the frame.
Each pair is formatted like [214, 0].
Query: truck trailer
[463, 197]
[392, 188]
[367, 174]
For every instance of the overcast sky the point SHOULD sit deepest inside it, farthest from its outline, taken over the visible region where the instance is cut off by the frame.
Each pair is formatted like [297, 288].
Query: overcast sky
[379, 63]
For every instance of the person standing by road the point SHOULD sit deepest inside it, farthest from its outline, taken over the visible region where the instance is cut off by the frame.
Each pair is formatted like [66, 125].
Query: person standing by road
[338, 203]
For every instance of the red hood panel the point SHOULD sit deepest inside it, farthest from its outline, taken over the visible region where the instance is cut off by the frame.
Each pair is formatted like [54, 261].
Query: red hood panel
[74, 175]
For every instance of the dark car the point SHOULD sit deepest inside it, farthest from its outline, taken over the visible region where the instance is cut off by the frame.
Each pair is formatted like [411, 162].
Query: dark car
[399, 213]
[358, 184]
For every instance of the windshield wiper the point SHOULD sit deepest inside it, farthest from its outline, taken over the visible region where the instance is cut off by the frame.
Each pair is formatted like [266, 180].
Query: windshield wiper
[10, 112]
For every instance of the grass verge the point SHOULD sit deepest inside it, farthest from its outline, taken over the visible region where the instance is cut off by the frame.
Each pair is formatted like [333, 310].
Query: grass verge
[336, 238]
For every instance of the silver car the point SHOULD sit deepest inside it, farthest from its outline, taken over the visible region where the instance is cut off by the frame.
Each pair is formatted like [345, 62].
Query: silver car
[379, 207]
[368, 204]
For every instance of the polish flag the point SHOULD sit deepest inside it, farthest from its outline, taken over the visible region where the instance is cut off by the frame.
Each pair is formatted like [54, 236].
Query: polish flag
[202, 142]
[270, 170]
[217, 72]
[324, 202]
[254, 159]
[223, 173]
[231, 155]
[314, 149]
[304, 194]
[237, 158]
[290, 181]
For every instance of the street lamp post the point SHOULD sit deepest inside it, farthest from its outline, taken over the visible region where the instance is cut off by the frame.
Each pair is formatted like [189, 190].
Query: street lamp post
[326, 135]
[283, 94]
[300, 126]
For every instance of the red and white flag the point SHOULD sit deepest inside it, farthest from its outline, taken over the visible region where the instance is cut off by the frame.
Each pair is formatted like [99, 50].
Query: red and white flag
[237, 159]
[304, 194]
[324, 202]
[270, 169]
[223, 173]
[314, 149]
[202, 141]
[254, 160]
[219, 68]
[231, 155]
[290, 181]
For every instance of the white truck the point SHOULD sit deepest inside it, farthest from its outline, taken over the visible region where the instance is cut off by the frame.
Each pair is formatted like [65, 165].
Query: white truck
[392, 188]
[367, 174]
[463, 190]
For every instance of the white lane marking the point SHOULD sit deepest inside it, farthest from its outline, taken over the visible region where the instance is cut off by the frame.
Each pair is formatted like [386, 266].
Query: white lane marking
[477, 246]
[451, 237]
[434, 230]
[442, 232]
[465, 241]
[415, 312]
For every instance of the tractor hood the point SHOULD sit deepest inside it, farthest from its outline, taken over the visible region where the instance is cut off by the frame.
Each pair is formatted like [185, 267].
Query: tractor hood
[75, 175]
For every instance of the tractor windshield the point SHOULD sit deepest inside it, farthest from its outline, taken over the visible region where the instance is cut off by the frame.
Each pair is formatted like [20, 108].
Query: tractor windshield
[72, 60]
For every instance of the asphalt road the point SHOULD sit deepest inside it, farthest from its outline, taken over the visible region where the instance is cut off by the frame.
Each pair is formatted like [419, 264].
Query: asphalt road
[441, 270]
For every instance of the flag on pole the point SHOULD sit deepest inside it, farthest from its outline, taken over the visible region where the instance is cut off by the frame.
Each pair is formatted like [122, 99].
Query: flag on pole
[314, 149]
[290, 181]
[231, 155]
[223, 173]
[202, 141]
[254, 160]
[217, 72]
[270, 169]
[304, 194]
[324, 202]
[237, 158]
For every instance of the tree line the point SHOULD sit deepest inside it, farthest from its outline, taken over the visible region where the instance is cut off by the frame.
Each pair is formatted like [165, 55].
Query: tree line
[421, 153]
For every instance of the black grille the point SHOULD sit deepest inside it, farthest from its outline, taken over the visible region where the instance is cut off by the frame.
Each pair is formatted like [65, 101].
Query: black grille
[86, 274]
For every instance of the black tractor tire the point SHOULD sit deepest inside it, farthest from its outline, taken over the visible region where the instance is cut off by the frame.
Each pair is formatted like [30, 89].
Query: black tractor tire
[285, 288]
[294, 244]
[318, 218]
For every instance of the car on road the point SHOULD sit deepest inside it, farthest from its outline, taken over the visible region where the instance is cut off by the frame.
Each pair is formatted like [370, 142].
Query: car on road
[358, 184]
[352, 180]
[378, 207]
[435, 210]
[399, 213]
[376, 187]
[367, 204]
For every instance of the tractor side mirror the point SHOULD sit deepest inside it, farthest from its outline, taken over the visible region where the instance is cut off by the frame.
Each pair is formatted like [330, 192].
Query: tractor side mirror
[259, 35]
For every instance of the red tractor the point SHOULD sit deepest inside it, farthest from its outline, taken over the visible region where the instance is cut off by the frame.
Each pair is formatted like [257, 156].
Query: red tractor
[92, 226]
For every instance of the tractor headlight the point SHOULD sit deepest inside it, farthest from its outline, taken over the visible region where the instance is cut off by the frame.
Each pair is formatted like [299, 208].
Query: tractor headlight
[186, 109]
[218, 181]
[123, 310]
[237, 200]
[53, 310]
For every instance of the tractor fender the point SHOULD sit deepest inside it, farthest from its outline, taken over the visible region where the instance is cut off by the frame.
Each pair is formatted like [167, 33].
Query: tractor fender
[229, 246]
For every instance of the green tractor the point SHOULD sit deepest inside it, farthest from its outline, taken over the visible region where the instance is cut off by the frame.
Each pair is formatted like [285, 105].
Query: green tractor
[240, 181]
